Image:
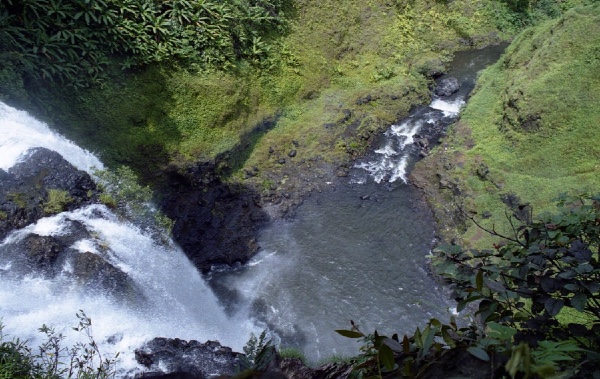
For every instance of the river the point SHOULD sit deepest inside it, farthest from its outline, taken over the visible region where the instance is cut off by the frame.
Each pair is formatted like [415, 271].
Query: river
[354, 252]
[357, 251]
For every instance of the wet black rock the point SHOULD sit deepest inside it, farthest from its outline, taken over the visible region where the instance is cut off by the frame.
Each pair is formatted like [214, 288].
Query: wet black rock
[95, 273]
[175, 358]
[294, 368]
[347, 115]
[53, 256]
[447, 86]
[292, 153]
[42, 251]
[364, 100]
[214, 222]
[24, 189]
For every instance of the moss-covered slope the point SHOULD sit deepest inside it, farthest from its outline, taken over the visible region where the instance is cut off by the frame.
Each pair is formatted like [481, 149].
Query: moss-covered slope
[343, 70]
[532, 128]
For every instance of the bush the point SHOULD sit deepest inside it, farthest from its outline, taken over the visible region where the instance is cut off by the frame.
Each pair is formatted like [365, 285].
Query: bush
[122, 192]
[530, 279]
[57, 201]
[74, 41]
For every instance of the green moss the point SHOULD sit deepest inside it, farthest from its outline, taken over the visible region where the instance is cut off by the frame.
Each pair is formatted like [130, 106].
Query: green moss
[334, 54]
[57, 201]
[108, 200]
[20, 199]
[290, 352]
[533, 121]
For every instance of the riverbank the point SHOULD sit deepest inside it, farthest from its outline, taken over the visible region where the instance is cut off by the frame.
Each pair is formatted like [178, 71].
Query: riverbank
[527, 135]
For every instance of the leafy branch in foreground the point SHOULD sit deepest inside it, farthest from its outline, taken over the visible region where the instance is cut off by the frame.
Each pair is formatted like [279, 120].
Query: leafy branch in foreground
[536, 298]
[258, 353]
[54, 361]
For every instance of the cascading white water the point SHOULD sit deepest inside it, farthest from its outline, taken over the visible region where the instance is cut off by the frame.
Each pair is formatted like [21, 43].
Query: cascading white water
[174, 301]
[390, 162]
[450, 108]
[20, 131]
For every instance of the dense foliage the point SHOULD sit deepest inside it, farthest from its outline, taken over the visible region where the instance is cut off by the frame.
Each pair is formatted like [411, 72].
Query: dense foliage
[73, 41]
[536, 298]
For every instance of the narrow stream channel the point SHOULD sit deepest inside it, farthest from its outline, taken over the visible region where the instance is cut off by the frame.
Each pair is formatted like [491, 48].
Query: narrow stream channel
[356, 252]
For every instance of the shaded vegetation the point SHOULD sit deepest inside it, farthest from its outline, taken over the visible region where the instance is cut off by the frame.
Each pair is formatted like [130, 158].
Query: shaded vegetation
[57, 201]
[73, 42]
[335, 74]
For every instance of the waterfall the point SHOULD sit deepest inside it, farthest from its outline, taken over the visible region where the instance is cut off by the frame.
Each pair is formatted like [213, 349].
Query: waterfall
[20, 132]
[170, 298]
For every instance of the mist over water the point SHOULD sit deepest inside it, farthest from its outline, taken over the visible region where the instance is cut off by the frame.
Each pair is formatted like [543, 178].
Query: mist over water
[356, 252]
[342, 259]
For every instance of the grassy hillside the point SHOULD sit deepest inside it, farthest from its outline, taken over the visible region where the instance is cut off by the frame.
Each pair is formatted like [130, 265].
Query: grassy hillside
[530, 130]
[343, 70]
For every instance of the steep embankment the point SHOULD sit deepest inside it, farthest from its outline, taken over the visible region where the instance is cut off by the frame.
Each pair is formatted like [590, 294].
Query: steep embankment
[342, 71]
[529, 133]
[229, 148]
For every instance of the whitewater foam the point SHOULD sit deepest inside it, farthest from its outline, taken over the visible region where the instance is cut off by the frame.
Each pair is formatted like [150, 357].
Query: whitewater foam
[20, 132]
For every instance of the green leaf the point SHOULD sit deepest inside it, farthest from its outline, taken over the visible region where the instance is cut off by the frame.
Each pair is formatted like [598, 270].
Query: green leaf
[479, 281]
[447, 338]
[428, 338]
[350, 333]
[500, 331]
[579, 301]
[405, 345]
[553, 306]
[479, 353]
[386, 356]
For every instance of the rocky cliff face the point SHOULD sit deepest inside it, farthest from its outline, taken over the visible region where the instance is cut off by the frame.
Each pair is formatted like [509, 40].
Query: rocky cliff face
[214, 223]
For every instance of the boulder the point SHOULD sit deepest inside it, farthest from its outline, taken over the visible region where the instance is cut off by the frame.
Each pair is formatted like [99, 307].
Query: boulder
[42, 251]
[214, 223]
[170, 358]
[94, 272]
[447, 86]
[24, 189]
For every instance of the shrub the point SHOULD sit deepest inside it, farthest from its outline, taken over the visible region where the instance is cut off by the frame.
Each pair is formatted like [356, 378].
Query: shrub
[54, 361]
[57, 201]
[122, 192]
[74, 41]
